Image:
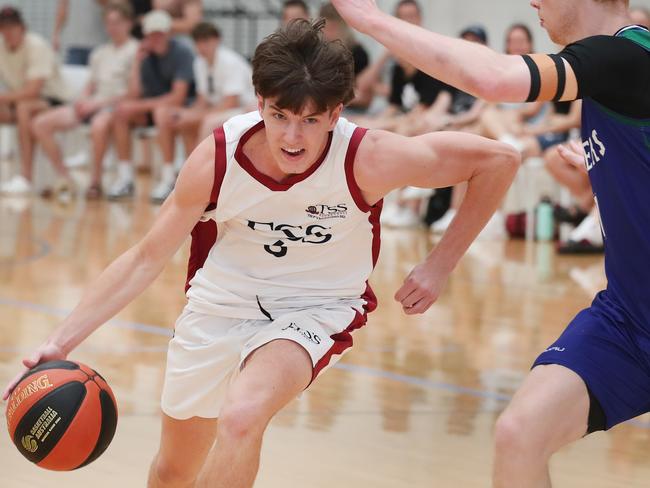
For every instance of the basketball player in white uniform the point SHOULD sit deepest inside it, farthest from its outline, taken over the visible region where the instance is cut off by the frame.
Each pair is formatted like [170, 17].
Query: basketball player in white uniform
[283, 206]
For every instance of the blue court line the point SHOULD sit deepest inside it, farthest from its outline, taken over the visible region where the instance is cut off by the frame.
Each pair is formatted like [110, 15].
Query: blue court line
[351, 368]
[421, 382]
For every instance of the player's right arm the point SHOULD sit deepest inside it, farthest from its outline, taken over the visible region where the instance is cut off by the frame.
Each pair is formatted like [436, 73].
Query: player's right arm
[126, 277]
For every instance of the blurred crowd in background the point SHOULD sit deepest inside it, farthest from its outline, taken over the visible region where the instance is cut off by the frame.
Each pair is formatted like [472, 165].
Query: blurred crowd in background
[156, 73]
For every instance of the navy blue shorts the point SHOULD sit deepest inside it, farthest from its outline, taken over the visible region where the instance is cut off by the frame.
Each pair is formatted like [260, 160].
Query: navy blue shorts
[612, 356]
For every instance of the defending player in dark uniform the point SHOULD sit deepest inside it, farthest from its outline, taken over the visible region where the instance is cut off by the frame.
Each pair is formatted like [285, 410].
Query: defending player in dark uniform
[598, 372]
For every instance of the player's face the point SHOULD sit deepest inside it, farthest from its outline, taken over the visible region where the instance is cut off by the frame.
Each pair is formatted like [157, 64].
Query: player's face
[117, 27]
[292, 13]
[518, 43]
[296, 141]
[559, 18]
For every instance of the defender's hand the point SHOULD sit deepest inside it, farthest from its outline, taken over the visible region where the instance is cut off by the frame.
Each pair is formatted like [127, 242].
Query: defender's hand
[357, 13]
[421, 289]
[47, 352]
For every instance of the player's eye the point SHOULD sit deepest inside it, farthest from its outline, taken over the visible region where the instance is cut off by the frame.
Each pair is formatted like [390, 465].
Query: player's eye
[311, 120]
[279, 116]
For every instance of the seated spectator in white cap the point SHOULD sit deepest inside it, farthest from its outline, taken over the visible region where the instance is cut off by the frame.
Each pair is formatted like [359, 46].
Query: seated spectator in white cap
[30, 71]
[110, 67]
[224, 89]
[164, 78]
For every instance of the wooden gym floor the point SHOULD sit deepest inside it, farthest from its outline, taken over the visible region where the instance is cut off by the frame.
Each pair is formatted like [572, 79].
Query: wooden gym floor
[413, 405]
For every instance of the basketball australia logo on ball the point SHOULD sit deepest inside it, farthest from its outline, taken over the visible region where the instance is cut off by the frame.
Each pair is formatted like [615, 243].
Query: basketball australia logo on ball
[62, 415]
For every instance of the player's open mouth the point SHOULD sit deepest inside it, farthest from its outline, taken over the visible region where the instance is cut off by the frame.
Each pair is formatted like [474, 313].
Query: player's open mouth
[293, 153]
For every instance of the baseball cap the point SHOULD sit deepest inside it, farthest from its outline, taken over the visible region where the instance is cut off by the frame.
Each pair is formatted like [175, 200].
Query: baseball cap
[476, 30]
[10, 15]
[156, 21]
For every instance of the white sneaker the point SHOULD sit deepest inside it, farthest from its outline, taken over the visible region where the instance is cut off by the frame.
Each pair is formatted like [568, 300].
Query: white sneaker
[588, 230]
[121, 188]
[18, 185]
[440, 226]
[161, 191]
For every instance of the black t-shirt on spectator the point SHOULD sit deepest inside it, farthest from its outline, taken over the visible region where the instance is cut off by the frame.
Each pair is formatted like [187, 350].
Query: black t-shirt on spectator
[361, 60]
[427, 88]
[140, 7]
[461, 102]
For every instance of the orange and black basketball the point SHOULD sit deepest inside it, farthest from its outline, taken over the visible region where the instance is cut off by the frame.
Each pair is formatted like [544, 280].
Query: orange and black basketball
[62, 415]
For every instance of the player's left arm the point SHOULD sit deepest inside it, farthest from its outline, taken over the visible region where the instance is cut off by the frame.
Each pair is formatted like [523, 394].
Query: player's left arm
[387, 161]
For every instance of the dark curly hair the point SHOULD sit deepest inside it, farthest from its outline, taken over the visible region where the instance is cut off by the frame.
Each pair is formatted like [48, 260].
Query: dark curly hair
[298, 66]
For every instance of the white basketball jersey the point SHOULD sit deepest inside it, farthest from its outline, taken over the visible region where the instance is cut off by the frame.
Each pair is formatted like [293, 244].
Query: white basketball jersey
[309, 241]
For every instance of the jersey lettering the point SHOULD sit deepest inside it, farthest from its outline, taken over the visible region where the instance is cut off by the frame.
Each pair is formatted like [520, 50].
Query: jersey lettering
[312, 234]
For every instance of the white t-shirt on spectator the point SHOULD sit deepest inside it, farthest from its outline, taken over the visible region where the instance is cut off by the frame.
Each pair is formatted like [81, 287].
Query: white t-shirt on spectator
[231, 75]
[110, 67]
[34, 59]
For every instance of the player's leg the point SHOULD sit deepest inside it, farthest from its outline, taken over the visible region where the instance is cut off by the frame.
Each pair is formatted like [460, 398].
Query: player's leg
[592, 378]
[184, 445]
[550, 410]
[272, 376]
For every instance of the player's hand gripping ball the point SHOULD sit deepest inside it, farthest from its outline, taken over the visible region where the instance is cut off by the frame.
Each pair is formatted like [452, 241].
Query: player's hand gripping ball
[62, 415]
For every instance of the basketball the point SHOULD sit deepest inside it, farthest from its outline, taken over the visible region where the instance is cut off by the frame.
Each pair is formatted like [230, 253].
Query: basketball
[62, 415]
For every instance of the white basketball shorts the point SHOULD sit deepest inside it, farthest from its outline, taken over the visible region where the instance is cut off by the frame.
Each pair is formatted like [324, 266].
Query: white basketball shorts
[208, 351]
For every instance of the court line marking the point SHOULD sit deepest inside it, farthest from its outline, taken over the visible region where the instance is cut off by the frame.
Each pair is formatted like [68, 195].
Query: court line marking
[351, 368]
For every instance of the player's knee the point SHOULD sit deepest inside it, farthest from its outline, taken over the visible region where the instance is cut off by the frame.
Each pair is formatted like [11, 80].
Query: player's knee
[242, 419]
[513, 435]
[170, 472]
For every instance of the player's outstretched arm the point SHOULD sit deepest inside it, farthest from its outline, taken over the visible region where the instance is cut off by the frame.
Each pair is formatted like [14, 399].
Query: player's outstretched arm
[471, 67]
[388, 161]
[127, 276]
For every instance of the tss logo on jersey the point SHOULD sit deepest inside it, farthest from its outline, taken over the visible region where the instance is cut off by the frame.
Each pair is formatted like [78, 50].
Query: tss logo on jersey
[312, 234]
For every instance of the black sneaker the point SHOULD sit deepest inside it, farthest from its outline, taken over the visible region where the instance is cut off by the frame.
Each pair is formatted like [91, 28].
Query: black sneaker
[580, 247]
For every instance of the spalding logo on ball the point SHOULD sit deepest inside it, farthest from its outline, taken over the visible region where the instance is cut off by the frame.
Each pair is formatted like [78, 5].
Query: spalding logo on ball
[62, 415]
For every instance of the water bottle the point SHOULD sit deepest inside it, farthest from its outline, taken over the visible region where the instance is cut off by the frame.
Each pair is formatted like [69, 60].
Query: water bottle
[544, 228]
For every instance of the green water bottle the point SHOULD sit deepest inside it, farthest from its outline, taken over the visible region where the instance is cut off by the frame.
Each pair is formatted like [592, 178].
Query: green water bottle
[544, 225]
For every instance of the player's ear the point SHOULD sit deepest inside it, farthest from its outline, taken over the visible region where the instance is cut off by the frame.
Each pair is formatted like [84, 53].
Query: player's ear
[334, 115]
[260, 104]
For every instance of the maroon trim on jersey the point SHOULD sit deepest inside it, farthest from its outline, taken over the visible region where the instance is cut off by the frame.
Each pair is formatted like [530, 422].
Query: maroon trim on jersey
[350, 155]
[342, 342]
[204, 234]
[266, 180]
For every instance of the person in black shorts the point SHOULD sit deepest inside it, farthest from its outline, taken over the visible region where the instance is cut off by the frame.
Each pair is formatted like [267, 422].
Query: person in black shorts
[598, 372]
